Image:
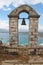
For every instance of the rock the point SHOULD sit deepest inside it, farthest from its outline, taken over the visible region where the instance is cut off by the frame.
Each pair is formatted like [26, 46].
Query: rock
[1, 43]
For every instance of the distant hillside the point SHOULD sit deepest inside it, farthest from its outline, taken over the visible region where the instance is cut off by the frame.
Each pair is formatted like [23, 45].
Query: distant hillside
[7, 31]
[3, 31]
[40, 34]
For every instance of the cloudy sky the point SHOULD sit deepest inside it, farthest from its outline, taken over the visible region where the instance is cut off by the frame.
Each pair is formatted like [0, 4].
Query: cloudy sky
[6, 6]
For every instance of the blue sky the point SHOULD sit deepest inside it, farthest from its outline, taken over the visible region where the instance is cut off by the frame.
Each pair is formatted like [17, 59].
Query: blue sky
[6, 6]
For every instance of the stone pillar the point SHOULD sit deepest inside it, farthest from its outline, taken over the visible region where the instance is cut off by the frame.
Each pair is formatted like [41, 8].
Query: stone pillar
[13, 29]
[33, 32]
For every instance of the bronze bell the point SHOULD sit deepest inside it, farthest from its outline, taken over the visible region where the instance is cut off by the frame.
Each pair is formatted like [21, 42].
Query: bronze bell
[23, 22]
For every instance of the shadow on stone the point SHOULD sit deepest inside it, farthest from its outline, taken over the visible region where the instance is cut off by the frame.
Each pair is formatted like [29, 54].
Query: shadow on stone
[13, 53]
[33, 52]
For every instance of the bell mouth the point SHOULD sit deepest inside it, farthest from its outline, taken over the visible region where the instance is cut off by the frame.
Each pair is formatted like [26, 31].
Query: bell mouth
[23, 22]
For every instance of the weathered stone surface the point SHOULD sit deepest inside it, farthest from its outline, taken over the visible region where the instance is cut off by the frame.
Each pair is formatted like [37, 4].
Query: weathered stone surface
[33, 26]
[13, 31]
[32, 61]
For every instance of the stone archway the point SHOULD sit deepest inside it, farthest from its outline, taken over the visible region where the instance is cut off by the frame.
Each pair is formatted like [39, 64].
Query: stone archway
[33, 25]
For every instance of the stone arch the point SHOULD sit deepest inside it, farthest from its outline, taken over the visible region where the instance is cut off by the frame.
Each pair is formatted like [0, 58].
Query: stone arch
[23, 8]
[33, 25]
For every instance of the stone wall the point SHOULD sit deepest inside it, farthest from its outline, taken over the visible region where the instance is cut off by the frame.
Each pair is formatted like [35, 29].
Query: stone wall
[33, 26]
[19, 62]
[33, 32]
[13, 29]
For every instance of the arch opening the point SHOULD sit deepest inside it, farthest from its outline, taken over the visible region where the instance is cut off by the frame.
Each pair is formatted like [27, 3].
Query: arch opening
[23, 30]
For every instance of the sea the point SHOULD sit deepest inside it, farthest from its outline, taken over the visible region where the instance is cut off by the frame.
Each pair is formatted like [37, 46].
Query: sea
[23, 38]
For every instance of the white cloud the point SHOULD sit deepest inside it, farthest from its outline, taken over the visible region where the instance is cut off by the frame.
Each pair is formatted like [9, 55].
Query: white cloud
[6, 9]
[17, 3]
[40, 27]
[23, 28]
[5, 3]
[40, 24]
[4, 24]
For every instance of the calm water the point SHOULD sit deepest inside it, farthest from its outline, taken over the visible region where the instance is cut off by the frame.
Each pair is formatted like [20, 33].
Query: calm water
[23, 38]
[4, 37]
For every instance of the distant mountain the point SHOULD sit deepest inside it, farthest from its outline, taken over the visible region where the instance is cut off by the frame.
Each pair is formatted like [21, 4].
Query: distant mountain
[40, 34]
[4, 31]
[23, 31]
